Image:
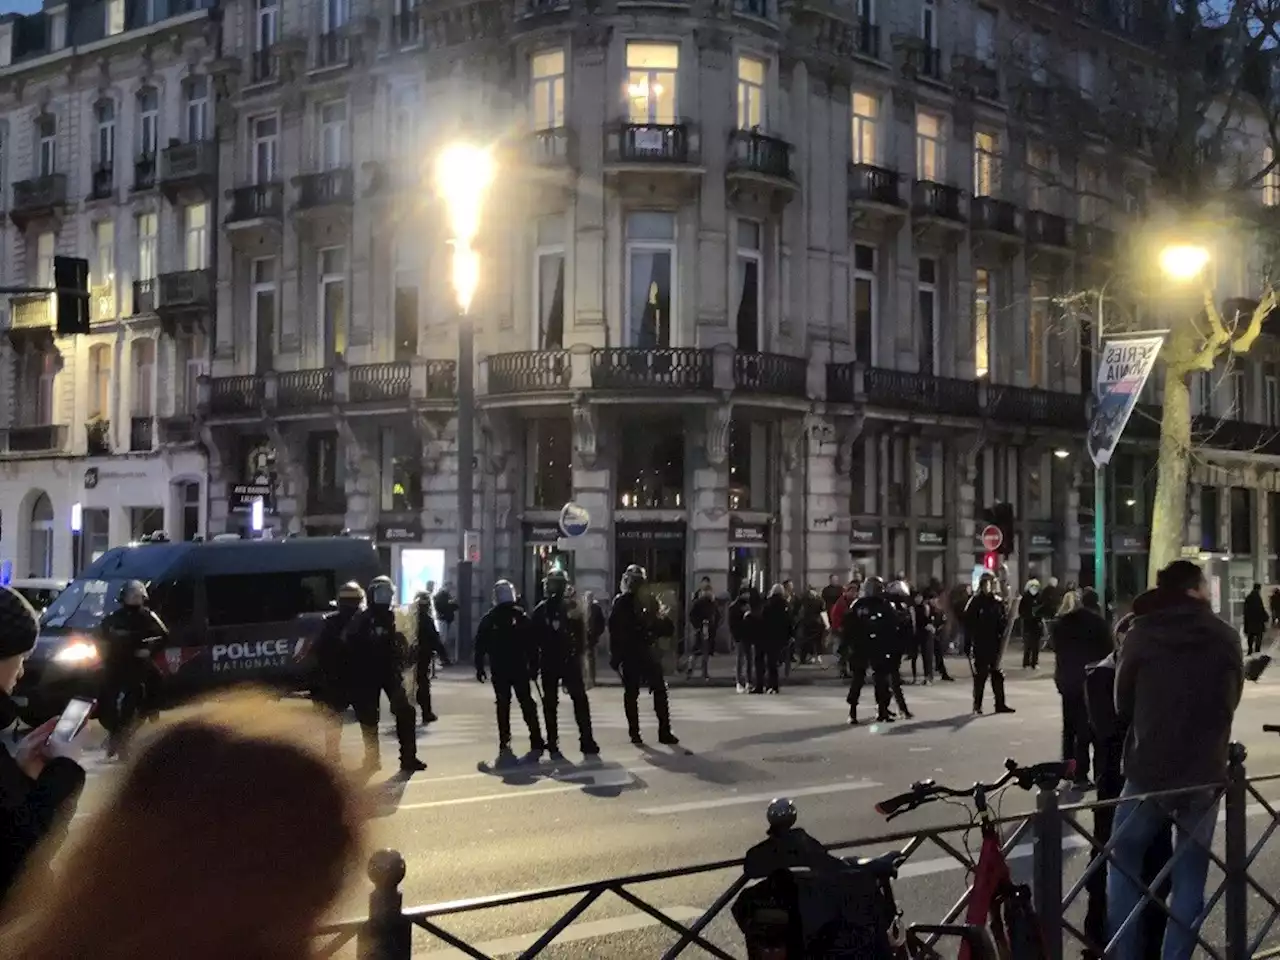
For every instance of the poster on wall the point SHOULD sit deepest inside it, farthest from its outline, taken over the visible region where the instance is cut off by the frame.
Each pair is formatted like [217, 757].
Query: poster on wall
[418, 567]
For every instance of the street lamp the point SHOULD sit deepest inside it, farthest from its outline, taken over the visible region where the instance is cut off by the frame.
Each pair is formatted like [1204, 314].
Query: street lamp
[463, 175]
[1182, 262]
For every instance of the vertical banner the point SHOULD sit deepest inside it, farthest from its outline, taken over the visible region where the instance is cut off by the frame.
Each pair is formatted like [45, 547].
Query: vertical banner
[1122, 373]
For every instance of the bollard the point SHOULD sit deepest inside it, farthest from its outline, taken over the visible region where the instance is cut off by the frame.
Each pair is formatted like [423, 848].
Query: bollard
[1046, 868]
[386, 935]
[1236, 855]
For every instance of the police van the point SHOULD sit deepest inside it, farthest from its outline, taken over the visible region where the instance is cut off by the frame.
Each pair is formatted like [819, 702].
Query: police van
[237, 611]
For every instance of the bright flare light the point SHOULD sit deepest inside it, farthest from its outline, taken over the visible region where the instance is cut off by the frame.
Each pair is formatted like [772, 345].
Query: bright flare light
[463, 175]
[1183, 261]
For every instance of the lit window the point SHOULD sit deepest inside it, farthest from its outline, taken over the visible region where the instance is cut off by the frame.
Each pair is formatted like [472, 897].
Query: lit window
[986, 164]
[651, 82]
[981, 324]
[651, 271]
[866, 137]
[751, 108]
[196, 230]
[548, 90]
[333, 300]
[929, 148]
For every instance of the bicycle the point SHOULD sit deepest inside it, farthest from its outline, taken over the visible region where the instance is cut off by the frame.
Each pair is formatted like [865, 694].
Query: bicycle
[995, 902]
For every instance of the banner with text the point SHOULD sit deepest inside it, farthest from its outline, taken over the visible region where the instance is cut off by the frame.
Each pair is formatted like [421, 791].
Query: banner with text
[1122, 374]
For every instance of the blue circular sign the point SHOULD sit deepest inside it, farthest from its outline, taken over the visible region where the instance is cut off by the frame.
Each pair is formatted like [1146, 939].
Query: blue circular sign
[574, 519]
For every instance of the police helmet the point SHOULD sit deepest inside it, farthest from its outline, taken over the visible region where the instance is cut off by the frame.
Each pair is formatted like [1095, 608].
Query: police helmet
[351, 592]
[899, 588]
[633, 578]
[503, 592]
[133, 594]
[872, 587]
[381, 592]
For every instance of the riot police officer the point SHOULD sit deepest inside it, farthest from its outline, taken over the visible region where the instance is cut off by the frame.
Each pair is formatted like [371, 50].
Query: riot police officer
[331, 682]
[561, 634]
[870, 635]
[428, 647]
[899, 595]
[985, 618]
[507, 639]
[128, 636]
[376, 652]
[636, 622]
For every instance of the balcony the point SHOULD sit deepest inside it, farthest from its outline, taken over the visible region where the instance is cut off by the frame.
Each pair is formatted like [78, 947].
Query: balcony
[381, 382]
[144, 172]
[1048, 230]
[326, 501]
[332, 50]
[771, 373]
[868, 40]
[660, 368]
[902, 390]
[991, 215]
[553, 147]
[46, 438]
[760, 9]
[185, 292]
[178, 430]
[259, 201]
[324, 189]
[141, 436]
[1096, 242]
[406, 30]
[442, 379]
[930, 63]
[754, 155]
[390, 179]
[264, 66]
[41, 198]
[1035, 407]
[304, 389]
[872, 186]
[144, 297]
[939, 202]
[188, 169]
[102, 182]
[650, 143]
[530, 371]
[236, 396]
[102, 303]
[97, 437]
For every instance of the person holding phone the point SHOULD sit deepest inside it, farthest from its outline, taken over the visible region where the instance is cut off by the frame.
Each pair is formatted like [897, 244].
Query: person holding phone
[41, 782]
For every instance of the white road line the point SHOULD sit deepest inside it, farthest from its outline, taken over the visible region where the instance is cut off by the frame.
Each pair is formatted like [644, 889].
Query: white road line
[585, 780]
[739, 799]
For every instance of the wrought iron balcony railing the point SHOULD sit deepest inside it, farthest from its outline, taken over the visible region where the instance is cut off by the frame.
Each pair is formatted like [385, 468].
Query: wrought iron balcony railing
[627, 368]
[1048, 230]
[939, 200]
[995, 216]
[653, 143]
[144, 172]
[188, 161]
[921, 391]
[186, 288]
[41, 438]
[529, 371]
[874, 184]
[304, 389]
[256, 201]
[103, 182]
[752, 151]
[1045, 408]
[144, 297]
[40, 193]
[325, 188]
[332, 49]
[442, 379]
[380, 382]
[231, 396]
[771, 373]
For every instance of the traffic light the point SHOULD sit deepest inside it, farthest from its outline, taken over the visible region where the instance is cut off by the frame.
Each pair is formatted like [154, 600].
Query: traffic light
[991, 562]
[71, 284]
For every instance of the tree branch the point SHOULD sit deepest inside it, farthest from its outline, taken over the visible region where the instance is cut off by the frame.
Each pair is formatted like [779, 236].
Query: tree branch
[1242, 343]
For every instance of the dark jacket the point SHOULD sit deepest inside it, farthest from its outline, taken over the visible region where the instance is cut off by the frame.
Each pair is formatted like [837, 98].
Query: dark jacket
[1178, 682]
[428, 643]
[330, 681]
[985, 617]
[29, 809]
[376, 651]
[1255, 614]
[595, 624]
[704, 614]
[506, 636]
[1031, 616]
[831, 595]
[559, 629]
[445, 606]
[775, 623]
[871, 629]
[739, 621]
[1080, 638]
[635, 625]
[126, 630]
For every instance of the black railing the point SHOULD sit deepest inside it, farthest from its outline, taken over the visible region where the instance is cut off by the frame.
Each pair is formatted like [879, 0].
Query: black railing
[529, 371]
[178, 429]
[1029, 405]
[144, 297]
[624, 368]
[985, 81]
[140, 434]
[771, 373]
[1094, 241]
[256, 201]
[325, 188]
[931, 63]
[873, 184]
[754, 152]
[380, 382]
[264, 65]
[103, 182]
[229, 396]
[653, 143]
[144, 172]
[97, 437]
[939, 200]
[442, 379]
[186, 288]
[40, 193]
[333, 49]
[840, 387]
[922, 392]
[326, 501]
[304, 389]
[868, 39]
[551, 147]
[406, 29]
[1048, 230]
[36, 439]
[188, 161]
[995, 216]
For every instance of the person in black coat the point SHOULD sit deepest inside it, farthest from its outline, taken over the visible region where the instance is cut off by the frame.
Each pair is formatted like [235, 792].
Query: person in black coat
[637, 622]
[704, 620]
[595, 630]
[985, 618]
[773, 639]
[128, 636]
[921, 647]
[427, 647]
[40, 783]
[331, 680]
[507, 641]
[561, 635]
[1080, 638]
[1255, 619]
[742, 629]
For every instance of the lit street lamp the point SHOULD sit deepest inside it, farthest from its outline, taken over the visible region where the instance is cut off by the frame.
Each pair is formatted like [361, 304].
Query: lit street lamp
[463, 175]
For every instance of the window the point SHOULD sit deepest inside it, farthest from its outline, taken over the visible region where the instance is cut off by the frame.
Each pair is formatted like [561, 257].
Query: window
[751, 108]
[148, 121]
[147, 225]
[984, 35]
[548, 90]
[189, 367]
[403, 117]
[866, 137]
[333, 135]
[651, 256]
[1038, 333]
[1202, 393]
[1241, 501]
[929, 147]
[750, 465]
[333, 300]
[1038, 56]
[103, 267]
[195, 223]
[1087, 67]
[115, 17]
[189, 498]
[651, 466]
[239, 599]
[1039, 177]
[100, 382]
[47, 152]
[401, 471]
[549, 283]
[45, 244]
[1238, 408]
[865, 332]
[927, 300]
[651, 82]
[981, 323]
[197, 108]
[41, 547]
[262, 309]
[266, 146]
[144, 370]
[1270, 178]
[264, 36]
[1089, 189]
[322, 471]
[334, 15]
[929, 23]
[750, 288]
[1271, 388]
[105, 147]
[986, 164]
[548, 463]
[407, 297]
[1209, 519]
[928, 478]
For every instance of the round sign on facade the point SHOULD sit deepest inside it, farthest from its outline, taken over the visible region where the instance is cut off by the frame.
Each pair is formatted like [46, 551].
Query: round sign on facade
[991, 537]
[574, 519]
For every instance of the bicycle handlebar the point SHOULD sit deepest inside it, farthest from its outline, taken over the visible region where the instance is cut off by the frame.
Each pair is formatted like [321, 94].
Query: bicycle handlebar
[1271, 728]
[1047, 775]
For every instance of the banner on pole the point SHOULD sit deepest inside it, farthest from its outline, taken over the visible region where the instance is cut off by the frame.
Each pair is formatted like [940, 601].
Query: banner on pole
[1122, 373]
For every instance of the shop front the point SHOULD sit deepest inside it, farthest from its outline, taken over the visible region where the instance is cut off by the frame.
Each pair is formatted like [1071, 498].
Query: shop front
[865, 548]
[1040, 546]
[749, 552]
[659, 547]
[413, 568]
[929, 570]
[542, 555]
[1127, 565]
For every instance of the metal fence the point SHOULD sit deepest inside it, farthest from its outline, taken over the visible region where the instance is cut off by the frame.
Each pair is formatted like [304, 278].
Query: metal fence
[1241, 906]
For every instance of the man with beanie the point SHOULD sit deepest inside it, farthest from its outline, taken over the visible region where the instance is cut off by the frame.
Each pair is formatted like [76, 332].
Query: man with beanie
[41, 782]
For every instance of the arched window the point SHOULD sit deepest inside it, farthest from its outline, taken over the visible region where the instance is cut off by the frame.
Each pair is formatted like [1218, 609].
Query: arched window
[41, 558]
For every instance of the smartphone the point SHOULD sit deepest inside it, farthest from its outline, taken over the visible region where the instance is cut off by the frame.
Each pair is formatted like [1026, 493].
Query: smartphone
[73, 719]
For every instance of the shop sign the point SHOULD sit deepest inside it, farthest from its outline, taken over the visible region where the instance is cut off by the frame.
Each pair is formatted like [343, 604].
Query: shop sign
[243, 495]
[931, 537]
[742, 533]
[541, 533]
[864, 535]
[408, 531]
[657, 532]
[1087, 540]
[1128, 542]
[1042, 542]
[574, 519]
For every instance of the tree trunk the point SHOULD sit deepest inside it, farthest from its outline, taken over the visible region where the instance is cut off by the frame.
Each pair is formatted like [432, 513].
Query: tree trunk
[1169, 515]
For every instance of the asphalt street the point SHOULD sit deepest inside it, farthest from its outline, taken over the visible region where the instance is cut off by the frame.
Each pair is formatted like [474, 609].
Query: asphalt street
[469, 831]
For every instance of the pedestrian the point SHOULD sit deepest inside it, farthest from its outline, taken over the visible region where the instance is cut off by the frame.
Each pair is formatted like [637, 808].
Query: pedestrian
[773, 639]
[788, 655]
[899, 596]
[128, 635]
[506, 639]
[331, 681]
[1275, 606]
[595, 630]
[741, 629]
[832, 593]
[869, 629]
[560, 632]
[938, 635]
[175, 864]
[376, 653]
[1255, 619]
[636, 623]
[812, 627]
[1031, 621]
[427, 648]
[1080, 638]
[922, 638]
[40, 781]
[446, 610]
[1179, 677]
[837, 618]
[704, 620]
[985, 619]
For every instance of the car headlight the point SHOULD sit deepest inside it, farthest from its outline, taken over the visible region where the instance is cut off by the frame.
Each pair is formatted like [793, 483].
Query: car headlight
[78, 653]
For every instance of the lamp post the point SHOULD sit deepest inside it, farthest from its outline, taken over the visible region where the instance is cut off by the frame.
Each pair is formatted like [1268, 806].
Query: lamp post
[463, 175]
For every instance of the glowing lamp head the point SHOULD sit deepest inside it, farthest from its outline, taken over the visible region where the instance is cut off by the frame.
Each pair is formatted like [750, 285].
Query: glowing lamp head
[463, 175]
[1182, 262]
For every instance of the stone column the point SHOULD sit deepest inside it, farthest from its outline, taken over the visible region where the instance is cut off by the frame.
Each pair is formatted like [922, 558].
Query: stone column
[590, 48]
[709, 496]
[826, 445]
[593, 489]
[962, 463]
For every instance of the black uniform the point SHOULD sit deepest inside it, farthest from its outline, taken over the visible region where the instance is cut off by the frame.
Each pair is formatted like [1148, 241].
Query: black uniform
[985, 619]
[429, 646]
[773, 641]
[376, 652]
[506, 636]
[869, 636]
[331, 681]
[561, 640]
[127, 635]
[704, 618]
[901, 641]
[635, 625]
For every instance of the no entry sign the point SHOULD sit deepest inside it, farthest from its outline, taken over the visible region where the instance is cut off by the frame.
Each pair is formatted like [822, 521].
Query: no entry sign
[991, 537]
